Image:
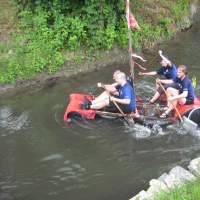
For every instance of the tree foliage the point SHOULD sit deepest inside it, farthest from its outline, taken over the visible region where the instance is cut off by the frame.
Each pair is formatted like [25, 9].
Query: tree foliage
[90, 22]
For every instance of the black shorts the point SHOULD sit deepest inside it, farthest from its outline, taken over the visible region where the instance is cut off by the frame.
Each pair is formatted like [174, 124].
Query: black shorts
[113, 108]
[173, 85]
[189, 101]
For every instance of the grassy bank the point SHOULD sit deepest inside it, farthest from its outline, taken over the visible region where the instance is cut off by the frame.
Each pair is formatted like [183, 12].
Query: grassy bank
[61, 36]
[187, 191]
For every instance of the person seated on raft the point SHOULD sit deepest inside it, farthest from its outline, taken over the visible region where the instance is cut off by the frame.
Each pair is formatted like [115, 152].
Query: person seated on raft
[126, 100]
[169, 70]
[183, 96]
[110, 86]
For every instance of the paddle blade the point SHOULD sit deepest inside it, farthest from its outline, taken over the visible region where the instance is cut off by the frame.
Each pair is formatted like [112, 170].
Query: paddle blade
[129, 120]
[189, 124]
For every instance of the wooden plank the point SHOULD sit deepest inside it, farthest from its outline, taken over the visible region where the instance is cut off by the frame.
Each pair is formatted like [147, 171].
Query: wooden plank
[148, 104]
[132, 114]
[107, 113]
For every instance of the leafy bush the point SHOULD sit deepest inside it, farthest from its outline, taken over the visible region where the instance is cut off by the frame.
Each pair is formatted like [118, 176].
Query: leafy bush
[46, 28]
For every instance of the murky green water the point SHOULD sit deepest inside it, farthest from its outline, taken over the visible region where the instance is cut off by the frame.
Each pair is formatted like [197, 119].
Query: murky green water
[42, 157]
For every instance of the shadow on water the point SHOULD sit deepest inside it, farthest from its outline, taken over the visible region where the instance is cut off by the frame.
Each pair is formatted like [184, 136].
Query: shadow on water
[43, 157]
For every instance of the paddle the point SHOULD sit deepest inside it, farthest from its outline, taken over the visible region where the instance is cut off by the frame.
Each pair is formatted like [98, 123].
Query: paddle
[127, 118]
[146, 67]
[171, 101]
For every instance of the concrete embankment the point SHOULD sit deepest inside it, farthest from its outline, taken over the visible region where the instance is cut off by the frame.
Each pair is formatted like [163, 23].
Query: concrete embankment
[176, 176]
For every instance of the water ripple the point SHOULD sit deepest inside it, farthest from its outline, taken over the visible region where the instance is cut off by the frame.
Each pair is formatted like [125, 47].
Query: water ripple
[9, 121]
[55, 156]
[5, 112]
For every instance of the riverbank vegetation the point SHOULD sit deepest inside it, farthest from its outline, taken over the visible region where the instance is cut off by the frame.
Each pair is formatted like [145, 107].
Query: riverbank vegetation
[188, 191]
[45, 36]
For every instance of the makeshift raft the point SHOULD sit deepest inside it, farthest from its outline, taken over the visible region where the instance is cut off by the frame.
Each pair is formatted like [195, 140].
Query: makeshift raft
[146, 114]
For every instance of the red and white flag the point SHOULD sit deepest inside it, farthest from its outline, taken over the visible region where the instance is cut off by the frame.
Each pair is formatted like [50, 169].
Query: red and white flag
[132, 23]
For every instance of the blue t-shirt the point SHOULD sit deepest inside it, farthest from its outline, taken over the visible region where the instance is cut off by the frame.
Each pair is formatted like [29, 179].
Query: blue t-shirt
[168, 72]
[185, 85]
[127, 92]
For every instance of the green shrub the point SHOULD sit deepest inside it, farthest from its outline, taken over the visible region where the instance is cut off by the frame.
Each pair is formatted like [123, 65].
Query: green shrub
[44, 29]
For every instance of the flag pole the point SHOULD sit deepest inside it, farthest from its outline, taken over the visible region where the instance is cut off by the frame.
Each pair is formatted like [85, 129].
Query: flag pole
[130, 59]
[132, 23]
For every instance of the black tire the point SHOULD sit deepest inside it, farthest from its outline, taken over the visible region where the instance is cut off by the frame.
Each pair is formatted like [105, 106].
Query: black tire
[195, 115]
[187, 113]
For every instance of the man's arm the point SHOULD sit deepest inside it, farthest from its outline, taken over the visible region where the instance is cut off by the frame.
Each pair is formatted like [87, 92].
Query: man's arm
[165, 81]
[148, 73]
[122, 101]
[110, 88]
[165, 59]
[111, 85]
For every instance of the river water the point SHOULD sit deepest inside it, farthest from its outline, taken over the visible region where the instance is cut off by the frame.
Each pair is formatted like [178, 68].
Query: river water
[43, 157]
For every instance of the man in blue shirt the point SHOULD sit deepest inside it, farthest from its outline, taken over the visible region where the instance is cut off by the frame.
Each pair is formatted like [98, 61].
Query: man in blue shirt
[169, 70]
[185, 94]
[128, 79]
[126, 100]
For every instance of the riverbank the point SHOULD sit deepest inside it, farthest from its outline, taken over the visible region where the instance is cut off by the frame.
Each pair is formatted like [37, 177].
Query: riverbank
[115, 55]
[107, 58]
[179, 182]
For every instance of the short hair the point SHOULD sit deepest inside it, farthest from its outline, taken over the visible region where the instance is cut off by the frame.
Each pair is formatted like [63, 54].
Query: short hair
[122, 76]
[116, 72]
[184, 69]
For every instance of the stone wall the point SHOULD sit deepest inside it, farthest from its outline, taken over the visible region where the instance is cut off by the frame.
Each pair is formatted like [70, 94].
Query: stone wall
[176, 176]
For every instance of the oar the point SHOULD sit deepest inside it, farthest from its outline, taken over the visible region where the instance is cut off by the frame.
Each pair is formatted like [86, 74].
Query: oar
[171, 101]
[146, 67]
[127, 118]
[148, 105]
[140, 104]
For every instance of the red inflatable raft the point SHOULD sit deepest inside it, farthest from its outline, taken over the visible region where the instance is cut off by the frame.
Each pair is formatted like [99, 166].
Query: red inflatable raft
[90, 114]
[74, 107]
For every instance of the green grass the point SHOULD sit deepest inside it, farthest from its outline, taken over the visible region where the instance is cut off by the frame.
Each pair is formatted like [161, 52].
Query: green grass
[188, 191]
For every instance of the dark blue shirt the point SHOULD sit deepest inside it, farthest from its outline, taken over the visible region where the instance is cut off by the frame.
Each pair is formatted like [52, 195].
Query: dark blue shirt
[168, 72]
[185, 85]
[128, 80]
[127, 92]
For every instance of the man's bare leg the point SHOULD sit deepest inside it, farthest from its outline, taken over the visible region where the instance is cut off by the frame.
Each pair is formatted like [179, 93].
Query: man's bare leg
[100, 104]
[101, 95]
[155, 97]
[100, 99]
[171, 92]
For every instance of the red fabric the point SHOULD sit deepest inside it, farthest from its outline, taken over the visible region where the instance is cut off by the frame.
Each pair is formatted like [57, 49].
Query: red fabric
[163, 97]
[133, 22]
[73, 106]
